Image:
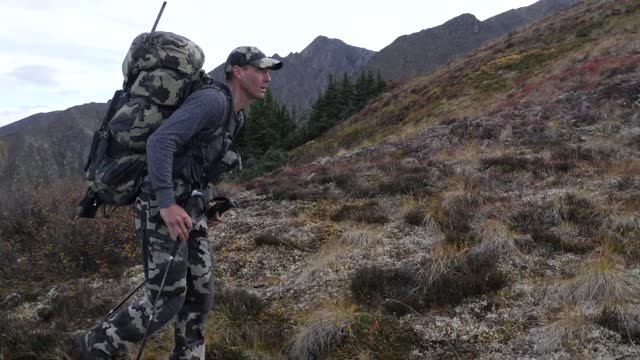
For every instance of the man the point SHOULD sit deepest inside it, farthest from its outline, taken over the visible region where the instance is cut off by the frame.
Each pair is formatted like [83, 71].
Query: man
[183, 156]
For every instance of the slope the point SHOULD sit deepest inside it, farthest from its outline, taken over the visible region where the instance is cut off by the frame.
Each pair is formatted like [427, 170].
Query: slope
[489, 208]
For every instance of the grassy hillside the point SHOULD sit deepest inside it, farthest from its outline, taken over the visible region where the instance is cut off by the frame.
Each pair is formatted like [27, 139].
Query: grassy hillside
[493, 203]
[590, 51]
[487, 210]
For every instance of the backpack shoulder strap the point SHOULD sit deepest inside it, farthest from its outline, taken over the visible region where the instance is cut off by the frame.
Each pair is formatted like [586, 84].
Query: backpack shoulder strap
[231, 127]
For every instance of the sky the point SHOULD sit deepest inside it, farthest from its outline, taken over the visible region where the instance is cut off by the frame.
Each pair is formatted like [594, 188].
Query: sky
[58, 54]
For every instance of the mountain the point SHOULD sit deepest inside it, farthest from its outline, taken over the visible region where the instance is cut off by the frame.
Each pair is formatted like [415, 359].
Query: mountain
[305, 74]
[44, 148]
[46, 145]
[424, 51]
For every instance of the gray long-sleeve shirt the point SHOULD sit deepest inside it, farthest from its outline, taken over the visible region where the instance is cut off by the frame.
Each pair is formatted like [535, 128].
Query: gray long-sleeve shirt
[202, 109]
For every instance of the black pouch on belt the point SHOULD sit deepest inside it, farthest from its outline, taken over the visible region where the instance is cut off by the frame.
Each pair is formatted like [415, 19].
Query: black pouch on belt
[219, 205]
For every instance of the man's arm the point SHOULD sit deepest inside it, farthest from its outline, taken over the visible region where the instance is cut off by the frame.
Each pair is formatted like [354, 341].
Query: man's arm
[202, 108]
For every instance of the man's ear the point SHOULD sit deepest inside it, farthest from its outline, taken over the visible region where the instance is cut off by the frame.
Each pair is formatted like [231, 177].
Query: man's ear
[237, 71]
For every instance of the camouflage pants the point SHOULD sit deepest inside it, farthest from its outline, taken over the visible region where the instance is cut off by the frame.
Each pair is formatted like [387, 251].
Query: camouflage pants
[187, 292]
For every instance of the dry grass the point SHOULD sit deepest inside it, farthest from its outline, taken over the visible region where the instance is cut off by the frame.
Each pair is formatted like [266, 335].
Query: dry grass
[415, 216]
[339, 331]
[455, 216]
[325, 330]
[622, 230]
[445, 279]
[324, 259]
[570, 222]
[360, 238]
[450, 277]
[569, 333]
[602, 284]
[240, 322]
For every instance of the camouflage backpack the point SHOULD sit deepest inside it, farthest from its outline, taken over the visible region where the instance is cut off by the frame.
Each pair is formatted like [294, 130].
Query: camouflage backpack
[160, 70]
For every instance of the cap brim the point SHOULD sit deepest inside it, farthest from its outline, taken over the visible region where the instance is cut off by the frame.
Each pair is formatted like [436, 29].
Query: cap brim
[268, 63]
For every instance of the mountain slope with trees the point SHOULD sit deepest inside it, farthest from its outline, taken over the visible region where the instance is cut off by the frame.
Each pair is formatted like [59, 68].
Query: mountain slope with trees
[304, 77]
[297, 86]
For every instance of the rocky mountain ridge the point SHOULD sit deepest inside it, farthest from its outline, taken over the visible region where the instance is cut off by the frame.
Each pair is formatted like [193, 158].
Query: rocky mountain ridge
[421, 52]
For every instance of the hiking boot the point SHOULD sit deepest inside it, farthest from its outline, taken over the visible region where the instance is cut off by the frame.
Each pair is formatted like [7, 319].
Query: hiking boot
[82, 351]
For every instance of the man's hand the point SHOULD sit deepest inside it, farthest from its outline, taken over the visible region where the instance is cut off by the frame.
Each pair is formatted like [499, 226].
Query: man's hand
[177, 220]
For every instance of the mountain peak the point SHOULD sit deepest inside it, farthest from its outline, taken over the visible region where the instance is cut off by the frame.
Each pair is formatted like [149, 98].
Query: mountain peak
[323, 42]
[463, 18]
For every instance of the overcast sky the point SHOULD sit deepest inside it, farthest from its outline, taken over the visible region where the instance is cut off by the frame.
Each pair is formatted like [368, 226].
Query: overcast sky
[57, 54]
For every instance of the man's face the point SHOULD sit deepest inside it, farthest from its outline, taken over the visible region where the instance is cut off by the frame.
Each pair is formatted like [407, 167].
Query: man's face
[254, 81]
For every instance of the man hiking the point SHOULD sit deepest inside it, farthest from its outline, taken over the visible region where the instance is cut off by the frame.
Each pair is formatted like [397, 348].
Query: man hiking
[183, 156]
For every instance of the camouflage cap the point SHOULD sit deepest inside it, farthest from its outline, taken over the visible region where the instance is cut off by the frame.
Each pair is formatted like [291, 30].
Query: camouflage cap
[250, 55]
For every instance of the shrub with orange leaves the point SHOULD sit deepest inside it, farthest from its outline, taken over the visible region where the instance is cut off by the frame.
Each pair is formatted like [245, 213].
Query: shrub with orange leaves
[42, 237]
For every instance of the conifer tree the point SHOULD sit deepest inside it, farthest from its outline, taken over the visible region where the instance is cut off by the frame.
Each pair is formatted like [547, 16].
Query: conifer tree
[268, 130]
[339, 101]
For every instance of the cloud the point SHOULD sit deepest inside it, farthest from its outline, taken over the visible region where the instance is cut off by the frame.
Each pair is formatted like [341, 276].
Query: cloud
[40, 75]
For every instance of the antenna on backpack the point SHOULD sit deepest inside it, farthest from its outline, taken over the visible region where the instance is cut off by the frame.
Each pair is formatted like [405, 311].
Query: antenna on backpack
[164, 3]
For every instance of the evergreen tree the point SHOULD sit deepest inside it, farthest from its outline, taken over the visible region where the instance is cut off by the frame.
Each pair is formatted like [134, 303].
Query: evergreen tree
[339, 101]
[381, 85]
[268, 129]
[346, 97]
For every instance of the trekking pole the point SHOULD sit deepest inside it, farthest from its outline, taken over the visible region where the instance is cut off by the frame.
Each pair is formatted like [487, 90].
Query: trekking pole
[155, 303]
[122, 302]
[164, 3]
